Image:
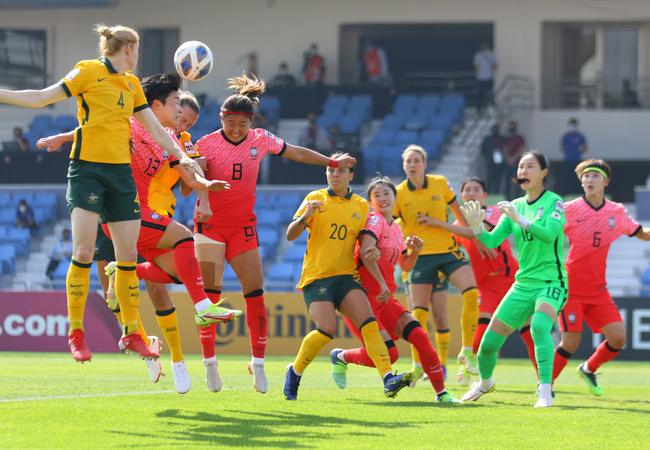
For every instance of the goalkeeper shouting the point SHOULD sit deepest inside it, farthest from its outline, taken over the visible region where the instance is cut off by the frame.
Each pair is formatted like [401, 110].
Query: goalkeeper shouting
[540, 289]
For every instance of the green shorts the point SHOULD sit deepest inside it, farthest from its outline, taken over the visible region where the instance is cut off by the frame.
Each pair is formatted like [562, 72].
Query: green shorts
[103, 247]
[427, 267]
[441, 284]
[520, 302]
[107, 189]
[332, 289]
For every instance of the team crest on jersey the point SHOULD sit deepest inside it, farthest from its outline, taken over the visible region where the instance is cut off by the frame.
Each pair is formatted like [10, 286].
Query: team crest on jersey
[611, 222]
[92, 198]
[540, 213]
[155, 216]
[356, 216]
[253, 152]
[435, 198]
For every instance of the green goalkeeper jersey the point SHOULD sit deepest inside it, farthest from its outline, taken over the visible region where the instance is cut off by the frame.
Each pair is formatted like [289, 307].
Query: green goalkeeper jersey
[541, 246]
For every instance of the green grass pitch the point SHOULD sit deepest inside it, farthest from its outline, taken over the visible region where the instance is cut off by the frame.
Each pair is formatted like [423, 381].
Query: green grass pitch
[48, 401]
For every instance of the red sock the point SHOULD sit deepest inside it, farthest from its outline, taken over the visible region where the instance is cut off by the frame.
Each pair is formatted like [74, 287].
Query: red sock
[603, 353]
[151, 272]
[530, 346]
[257, 322]
[188, 269]
[428, 356]
[478, 334]
[208, 335]
[561, 359]
[359, 356]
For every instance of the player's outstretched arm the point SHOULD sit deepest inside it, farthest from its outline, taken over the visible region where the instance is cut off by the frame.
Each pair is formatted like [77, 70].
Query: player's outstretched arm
[198, 183]
[474, 216]
[307, 156]
[413, 246]
[53, 143]
[150, 123]
[33, 98]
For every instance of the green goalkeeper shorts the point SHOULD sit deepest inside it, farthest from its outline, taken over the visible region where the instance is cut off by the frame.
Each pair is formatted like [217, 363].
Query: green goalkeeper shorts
[521, 301]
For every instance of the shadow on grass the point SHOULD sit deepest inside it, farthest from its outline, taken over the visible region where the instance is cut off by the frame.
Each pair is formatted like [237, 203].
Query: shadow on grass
[236, 428]
[422, 404]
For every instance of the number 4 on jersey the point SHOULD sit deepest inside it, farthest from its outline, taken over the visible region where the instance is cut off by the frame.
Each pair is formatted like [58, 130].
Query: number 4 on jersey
[121, 100]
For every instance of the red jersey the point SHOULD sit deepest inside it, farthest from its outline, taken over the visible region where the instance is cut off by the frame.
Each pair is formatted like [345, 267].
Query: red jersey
[504, 266]
[390, 243]
[238, 164]
[147, 158]
[591, 232]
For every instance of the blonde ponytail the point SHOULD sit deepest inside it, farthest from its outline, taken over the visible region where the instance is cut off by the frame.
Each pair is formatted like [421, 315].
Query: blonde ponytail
[112, 39]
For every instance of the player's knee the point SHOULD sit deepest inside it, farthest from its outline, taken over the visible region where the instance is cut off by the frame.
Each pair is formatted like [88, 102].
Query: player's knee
[84, 253]
[540, 324]
[570, 345]
[327, 328]
[617, 340]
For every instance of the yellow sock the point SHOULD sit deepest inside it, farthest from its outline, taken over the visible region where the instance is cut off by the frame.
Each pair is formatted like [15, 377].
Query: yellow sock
[311, 344]
[77, 283]
[442, 345]
[141, 330]
[422, 316]
[127, 290]
[469, 316]
[376, 347]
[168, 323]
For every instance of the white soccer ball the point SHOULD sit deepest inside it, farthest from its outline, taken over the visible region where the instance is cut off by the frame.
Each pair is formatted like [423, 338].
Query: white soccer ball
[193, 60]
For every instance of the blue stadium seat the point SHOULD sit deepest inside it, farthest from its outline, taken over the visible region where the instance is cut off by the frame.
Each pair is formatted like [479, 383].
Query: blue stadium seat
[5, 199]
[270, 105]
[384, 136]
[429, 101]
[351, 122]
[268, 235]
[229, 273]
[288, 199]
[335, 102]
[40, 123]
[327, 119]
[8, 216]
[283, 272]
[65, 123]
[44, 199]
[295, 253]
[405, 137]
[392, 122]
[7, 259]
[405, 104]
[22, 195]
[270, 217]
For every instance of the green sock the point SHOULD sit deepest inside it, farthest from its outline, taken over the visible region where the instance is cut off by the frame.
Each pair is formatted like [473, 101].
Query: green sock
[487, 353]
[540, 329]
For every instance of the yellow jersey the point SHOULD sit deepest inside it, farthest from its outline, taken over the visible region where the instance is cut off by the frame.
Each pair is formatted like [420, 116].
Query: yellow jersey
[333, 233]
[431, 200]
[161, 195]
[106, 100]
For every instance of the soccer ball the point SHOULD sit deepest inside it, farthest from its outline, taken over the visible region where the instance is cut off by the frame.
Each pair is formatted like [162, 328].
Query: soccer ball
[193, 60]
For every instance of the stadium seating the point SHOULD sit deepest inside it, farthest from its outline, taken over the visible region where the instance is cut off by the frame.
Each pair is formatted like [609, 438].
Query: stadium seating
[426, 120]
[349, 113]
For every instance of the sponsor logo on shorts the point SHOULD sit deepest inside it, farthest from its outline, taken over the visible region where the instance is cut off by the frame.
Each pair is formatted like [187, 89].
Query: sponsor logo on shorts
[155, 216]
[92, 198]
[572, 318]
[322, 290]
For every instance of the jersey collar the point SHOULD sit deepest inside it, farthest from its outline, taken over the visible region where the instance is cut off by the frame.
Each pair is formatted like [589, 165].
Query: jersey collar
[108, 64]
[540, 196]
[411, 186]
[223, 134]
[602, 205]
[347, 196]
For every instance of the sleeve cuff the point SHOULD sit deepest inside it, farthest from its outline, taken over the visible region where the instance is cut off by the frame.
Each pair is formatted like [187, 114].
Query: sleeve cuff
[452, 200]
[65, 88]
[369, 233]
[637, 231]
[140, 108]
[174, 163]
[284, 148]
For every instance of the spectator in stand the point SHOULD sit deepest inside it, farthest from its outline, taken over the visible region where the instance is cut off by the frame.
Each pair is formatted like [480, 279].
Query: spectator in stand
[375, 64]
[485, 64]
[513, 147]
[573, 145]
[492, 153]
[260, 120]
[283, 79]
[62, 250]
[19, 141]
[336, 141]
[313, 68]
[251, 65]
[313, 136]
[25, 217]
